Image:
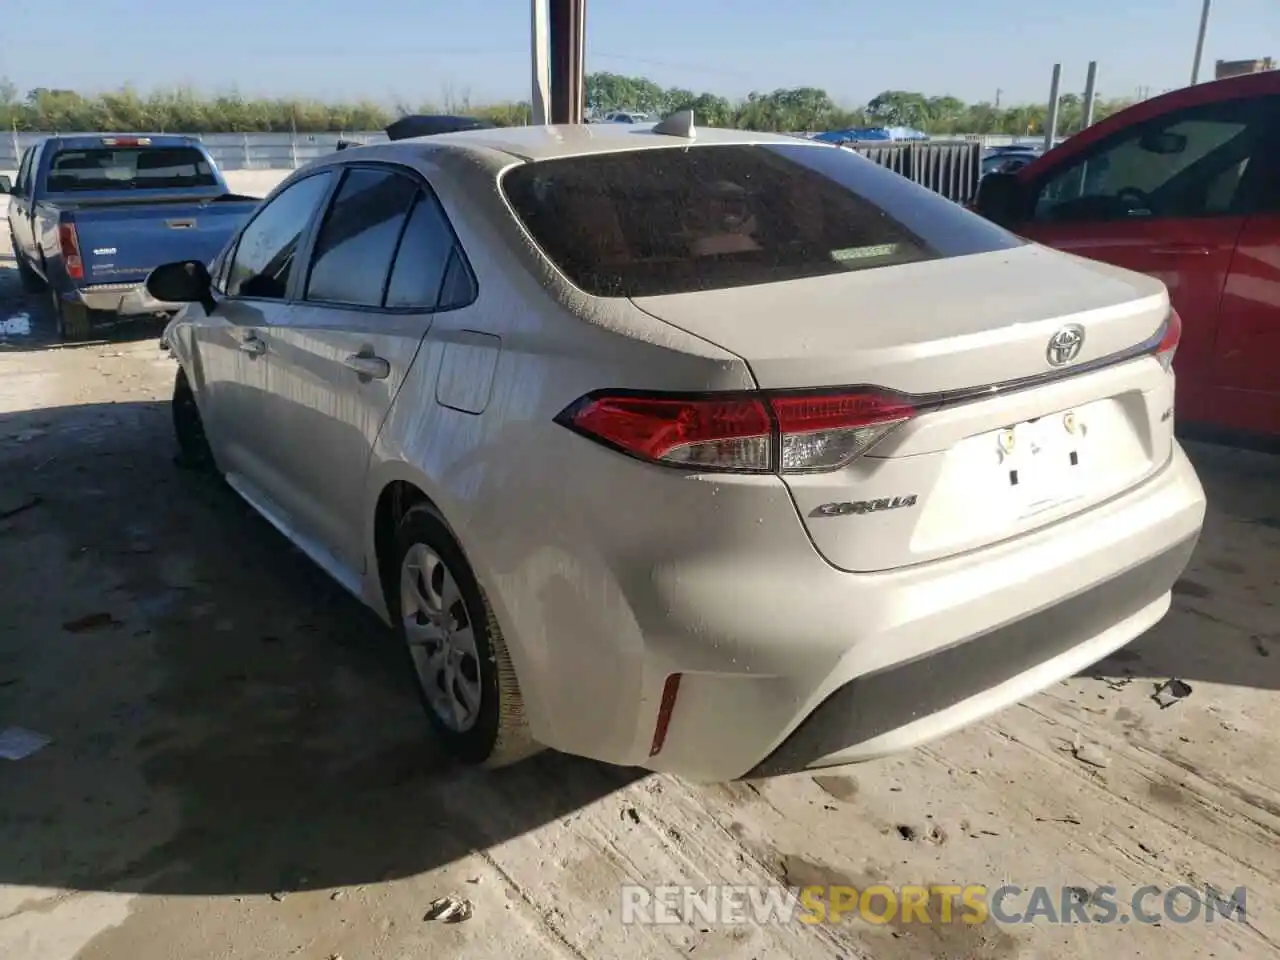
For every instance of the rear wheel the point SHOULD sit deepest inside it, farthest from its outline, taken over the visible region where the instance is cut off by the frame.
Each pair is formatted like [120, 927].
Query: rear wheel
[465, 679]
[72, 318]
[194, 452]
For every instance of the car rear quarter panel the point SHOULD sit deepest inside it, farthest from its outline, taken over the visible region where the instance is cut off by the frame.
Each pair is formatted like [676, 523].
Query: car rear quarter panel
[504, 479]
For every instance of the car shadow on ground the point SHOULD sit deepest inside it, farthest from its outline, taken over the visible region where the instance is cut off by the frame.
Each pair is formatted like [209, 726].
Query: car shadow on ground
[224, 719]
[1225, 623]
[27, 323]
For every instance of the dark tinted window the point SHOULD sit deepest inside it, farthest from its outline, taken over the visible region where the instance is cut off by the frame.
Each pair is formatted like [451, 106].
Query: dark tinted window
[459, 287]
[1188, 163]
[696, 218]
[354, 250]
[264, 255]
[129, 168]
[422, 257]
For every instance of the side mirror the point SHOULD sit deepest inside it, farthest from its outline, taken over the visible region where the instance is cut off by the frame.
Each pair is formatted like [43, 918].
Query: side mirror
[185, 282]
[6, 185]
[999, 198]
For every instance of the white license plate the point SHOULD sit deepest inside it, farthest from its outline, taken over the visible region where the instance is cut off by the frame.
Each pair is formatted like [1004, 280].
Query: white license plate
[1042, 461]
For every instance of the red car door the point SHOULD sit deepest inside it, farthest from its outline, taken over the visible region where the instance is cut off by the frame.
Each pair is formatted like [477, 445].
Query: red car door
[1247, 353]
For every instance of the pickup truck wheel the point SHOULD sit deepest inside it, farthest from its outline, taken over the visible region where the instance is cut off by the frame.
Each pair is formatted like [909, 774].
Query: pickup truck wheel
[194, 452]
[31, 281]
[72, 319]
[459, 659]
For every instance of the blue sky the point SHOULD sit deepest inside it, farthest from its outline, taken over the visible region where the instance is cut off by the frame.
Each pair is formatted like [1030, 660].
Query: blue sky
[416, 49]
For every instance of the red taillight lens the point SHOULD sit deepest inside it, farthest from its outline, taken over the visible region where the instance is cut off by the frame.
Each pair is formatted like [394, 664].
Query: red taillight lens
[756, 433]
[726, 434]
[1169, 340]
[69, 244]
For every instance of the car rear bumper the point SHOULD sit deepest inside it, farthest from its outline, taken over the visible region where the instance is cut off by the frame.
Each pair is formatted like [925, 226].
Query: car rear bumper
[124, 299]
[789, 664]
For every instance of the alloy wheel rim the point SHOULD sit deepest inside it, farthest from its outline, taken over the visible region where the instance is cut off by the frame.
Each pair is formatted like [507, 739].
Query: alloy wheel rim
[441, 638]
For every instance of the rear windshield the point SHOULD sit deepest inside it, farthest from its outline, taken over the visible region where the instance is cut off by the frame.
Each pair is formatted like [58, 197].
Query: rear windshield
[677, 220]
[129, 168]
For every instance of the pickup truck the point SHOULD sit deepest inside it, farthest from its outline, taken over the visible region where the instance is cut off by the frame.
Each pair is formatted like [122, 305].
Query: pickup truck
[91, 216]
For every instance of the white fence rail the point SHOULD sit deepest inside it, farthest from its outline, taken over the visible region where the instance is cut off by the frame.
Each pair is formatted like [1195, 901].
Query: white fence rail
[283, 151]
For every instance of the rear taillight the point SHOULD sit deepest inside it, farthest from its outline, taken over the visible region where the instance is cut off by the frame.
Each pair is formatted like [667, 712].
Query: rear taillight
[1170, 334]
[69, 244]
[826, 431]
[746, 433]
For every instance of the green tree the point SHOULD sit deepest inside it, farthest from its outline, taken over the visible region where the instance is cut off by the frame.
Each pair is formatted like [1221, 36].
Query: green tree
[795, 109]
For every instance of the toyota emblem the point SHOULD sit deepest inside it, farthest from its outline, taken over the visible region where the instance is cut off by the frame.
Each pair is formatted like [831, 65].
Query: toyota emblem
[1065, 345]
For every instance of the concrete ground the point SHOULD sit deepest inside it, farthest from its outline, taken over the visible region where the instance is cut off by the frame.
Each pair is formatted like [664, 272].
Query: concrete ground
[238, 768]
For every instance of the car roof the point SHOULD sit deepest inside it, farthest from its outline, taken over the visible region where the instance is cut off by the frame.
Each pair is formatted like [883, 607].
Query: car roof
[572, 140]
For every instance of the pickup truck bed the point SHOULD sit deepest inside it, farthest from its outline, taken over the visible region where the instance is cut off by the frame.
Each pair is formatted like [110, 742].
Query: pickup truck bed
[121, 242]
[92, 216]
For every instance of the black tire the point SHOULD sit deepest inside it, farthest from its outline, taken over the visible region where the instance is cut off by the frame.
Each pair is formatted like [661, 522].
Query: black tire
[194, 452]
[500, 734]
[31, 281]
[72, 319]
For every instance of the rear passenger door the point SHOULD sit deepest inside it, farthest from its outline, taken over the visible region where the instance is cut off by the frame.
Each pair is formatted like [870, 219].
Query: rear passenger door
[379, 269]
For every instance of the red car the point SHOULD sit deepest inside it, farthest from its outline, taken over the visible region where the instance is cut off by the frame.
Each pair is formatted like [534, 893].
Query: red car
[1185, 187]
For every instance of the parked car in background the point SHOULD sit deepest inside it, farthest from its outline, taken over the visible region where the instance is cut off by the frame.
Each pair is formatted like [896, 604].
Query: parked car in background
[1184, 187]
[625, 116]
[1006, 159]
[586, 415]
[90, 216]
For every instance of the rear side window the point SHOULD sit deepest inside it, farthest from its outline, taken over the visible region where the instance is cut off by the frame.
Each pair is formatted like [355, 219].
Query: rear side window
[357, 242]
[422, 259]
[676, 220]
[129, 168]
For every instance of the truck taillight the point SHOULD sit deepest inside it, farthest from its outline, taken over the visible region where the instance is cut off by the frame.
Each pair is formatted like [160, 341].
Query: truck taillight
[769, 432]
[126, 141]
[69, 244]
[1170, 335]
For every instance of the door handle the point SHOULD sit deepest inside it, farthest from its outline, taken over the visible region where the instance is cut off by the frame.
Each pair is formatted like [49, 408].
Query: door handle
[253, 346]
[1182, 249]
[369, 366]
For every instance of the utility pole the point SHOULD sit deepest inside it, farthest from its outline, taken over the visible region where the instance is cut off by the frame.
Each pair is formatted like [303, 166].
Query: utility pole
[998, 92]
[1204, 27]
[1051, 121]
[1090, 94]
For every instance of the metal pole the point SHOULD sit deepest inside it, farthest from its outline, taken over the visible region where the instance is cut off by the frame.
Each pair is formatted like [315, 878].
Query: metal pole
[579, 61]
[1051, 121]
[1090, 93]
[1204, 27]
[566, 22]
[540, 102]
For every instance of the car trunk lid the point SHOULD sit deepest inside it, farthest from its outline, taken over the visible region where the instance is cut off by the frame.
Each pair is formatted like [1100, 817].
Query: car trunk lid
[1002, 439]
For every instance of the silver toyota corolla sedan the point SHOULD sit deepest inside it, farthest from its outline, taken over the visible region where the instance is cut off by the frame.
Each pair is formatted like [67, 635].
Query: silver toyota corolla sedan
[713, 452]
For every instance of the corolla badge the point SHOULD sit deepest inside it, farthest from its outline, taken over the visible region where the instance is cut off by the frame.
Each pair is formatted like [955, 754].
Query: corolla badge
[1065, 345]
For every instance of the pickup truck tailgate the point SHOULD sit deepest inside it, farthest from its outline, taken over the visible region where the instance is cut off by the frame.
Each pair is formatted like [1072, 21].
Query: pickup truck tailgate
[121, 244]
